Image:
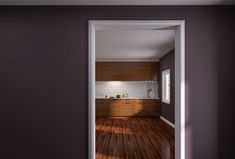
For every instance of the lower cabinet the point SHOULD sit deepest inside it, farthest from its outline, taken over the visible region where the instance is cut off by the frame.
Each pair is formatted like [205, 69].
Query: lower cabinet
[127, 107]
[146, 107]
[114, 109]
[107, 108]
[139, 110]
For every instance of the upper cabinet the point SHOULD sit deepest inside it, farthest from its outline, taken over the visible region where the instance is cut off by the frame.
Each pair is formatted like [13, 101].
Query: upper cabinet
[127, 71]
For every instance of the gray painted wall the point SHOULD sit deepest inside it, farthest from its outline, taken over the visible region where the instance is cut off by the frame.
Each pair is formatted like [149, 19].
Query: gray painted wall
[44, 78]
[168, 62]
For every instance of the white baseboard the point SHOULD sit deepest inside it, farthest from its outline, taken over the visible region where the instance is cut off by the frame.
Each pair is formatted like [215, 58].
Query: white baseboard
[167, 121]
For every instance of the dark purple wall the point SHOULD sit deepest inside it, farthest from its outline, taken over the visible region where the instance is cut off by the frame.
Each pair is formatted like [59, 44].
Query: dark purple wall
[44, 78]
[168, 62]
[226, 86]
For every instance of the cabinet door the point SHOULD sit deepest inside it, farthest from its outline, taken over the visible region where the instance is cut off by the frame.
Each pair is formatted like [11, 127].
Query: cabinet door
[107, 108]
[126, 108]
[139, 110]
[151, 110]
[113, 109]
[127, 71]
[102, 109]
[146, 108]
[152, 107]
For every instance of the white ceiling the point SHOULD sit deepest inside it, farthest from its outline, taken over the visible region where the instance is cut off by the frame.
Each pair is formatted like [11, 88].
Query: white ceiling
[133, 45]
[115, 2]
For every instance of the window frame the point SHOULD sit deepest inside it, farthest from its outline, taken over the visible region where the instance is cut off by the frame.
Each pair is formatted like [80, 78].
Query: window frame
[164, 73]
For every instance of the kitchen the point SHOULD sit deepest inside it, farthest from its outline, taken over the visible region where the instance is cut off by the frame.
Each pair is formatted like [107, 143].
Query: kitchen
[125, 89]
[133, 95]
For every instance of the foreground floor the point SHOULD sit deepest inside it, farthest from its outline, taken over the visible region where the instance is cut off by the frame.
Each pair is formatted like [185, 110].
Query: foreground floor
[134, 138]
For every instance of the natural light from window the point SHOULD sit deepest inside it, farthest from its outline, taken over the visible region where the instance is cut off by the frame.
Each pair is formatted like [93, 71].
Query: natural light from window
[166, 86]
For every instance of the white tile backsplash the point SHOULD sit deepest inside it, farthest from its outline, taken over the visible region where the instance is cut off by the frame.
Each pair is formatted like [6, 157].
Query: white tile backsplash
[134, 89]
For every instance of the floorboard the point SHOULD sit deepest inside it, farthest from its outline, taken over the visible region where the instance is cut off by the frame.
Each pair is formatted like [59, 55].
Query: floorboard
[134, 138]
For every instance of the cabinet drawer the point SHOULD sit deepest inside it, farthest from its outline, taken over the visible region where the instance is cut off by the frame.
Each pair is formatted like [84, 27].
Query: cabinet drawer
[138, 101]
[100, 101]
[125, 102]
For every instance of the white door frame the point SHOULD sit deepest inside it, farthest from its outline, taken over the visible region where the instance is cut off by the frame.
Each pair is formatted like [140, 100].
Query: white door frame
[179, 27]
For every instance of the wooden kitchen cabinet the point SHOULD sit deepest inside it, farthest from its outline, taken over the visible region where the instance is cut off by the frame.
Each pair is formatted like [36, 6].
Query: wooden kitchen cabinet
[138, 110]
[127, 107]
[114, 109]
[146, 107]
[107, 108]
[127, 71]
[102, 110]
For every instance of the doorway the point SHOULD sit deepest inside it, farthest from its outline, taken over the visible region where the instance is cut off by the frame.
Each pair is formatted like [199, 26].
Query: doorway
[178, 27]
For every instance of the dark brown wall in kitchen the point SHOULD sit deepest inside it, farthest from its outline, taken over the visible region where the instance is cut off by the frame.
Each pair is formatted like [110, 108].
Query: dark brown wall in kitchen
[168, 62]
[44, 78]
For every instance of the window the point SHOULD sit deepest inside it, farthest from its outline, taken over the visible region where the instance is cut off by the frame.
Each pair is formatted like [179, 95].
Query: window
[166, 86]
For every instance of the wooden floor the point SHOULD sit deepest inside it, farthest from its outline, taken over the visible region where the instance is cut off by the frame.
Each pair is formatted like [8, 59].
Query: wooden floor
[134, 138]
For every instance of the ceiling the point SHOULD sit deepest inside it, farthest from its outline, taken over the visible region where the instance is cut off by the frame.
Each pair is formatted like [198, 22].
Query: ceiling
[116, 2]
[133, 45]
